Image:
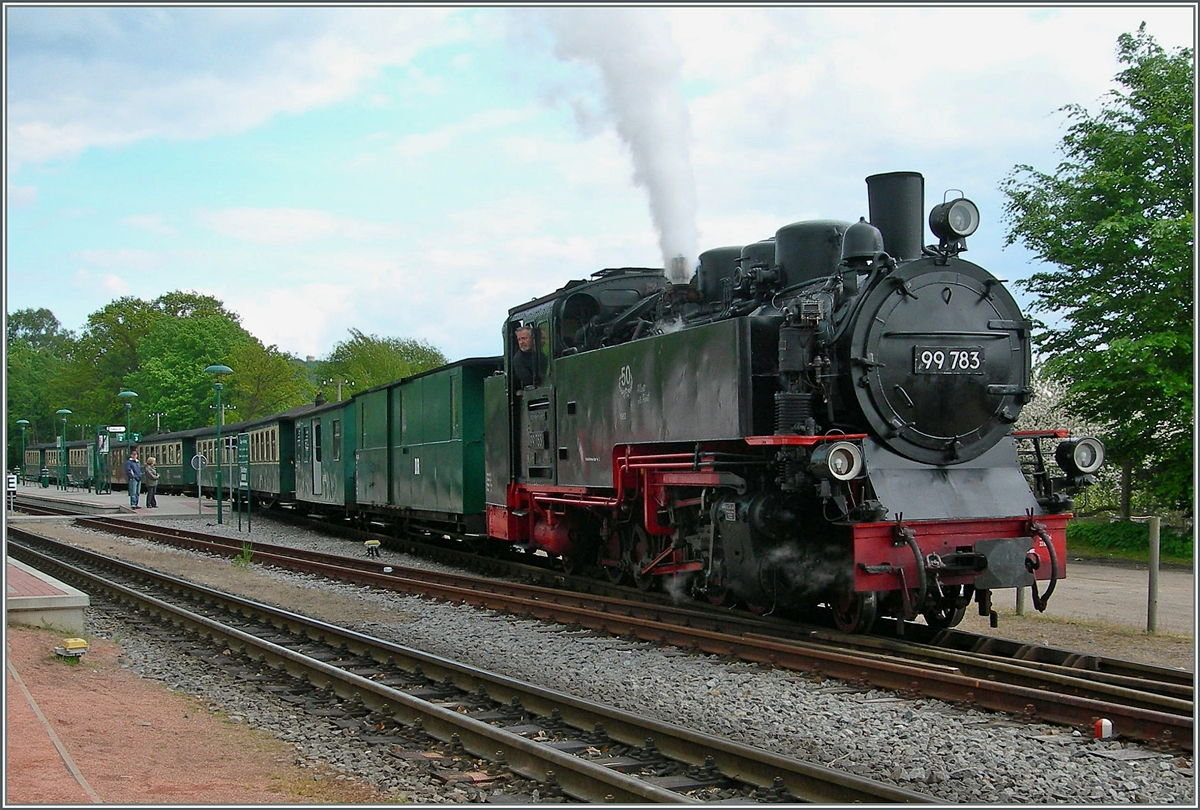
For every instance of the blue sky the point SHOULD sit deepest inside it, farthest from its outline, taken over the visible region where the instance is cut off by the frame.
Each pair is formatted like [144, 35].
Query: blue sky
[417, 171]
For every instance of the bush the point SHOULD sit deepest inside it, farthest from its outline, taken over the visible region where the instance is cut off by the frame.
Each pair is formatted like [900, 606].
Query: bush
[1124, 538]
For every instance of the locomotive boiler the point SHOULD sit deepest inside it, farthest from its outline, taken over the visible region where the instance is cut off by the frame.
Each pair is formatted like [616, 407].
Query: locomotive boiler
[823, 418]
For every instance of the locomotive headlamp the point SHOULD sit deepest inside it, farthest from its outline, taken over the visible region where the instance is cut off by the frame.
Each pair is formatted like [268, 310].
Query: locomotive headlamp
[1080, 456]
[840, 461]
[956, 219]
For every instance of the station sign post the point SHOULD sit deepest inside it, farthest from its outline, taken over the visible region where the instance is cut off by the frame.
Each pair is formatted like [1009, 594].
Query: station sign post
[243, 478]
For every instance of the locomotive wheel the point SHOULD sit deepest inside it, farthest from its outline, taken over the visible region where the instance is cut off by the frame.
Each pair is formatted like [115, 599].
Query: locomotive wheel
[949, 610]
[573, 564]
[942, 618]
[639, 555]
[615, 551]
[855, 612]
[716, 589]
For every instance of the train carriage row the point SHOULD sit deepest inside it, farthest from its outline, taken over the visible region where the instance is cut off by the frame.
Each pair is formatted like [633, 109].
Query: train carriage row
[410, 450]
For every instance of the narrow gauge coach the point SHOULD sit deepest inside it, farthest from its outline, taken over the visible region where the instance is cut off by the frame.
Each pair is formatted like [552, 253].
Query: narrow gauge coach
[172, 453]
[46, 456]
[271, 463]
[409, 453]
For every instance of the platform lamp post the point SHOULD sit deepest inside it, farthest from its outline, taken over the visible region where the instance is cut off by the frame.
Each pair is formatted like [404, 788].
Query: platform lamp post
[23, 423]
[218, 370]
[62, 448]
[129, 397]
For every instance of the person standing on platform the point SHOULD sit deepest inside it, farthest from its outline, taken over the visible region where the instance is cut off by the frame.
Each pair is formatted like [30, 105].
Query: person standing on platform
[133, 474]
[150, 476]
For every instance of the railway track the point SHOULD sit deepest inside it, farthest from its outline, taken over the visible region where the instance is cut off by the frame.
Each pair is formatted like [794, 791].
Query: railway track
[1147, 703]
[399, 697]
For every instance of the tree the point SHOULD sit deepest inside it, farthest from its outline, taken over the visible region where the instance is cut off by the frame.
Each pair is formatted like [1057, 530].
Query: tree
[1115, 222]
[38, 328]
[111, 353]
[171, 380]
[37, 347]
[366, 360]
[266, 381]
[103, 356]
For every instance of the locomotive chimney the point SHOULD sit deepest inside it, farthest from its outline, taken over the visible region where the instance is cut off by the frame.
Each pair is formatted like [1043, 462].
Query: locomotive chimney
[897, 205]
[677, 270]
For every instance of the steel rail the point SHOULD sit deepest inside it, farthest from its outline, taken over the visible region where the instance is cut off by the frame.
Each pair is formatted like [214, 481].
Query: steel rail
[577, 777]
[1032, 692]
[953, 677]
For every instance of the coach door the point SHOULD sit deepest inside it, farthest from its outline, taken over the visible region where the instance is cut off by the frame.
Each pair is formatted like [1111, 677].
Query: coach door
[316, 456]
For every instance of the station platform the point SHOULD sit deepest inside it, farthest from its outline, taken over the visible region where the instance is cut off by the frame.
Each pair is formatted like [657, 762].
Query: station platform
[115, 503]
[40, 600]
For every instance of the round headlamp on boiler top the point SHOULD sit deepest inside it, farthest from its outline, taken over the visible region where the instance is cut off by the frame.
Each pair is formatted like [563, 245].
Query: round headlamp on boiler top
[956, 219]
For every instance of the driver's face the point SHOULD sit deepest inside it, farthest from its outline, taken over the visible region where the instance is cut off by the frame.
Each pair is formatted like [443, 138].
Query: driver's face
[524, 340]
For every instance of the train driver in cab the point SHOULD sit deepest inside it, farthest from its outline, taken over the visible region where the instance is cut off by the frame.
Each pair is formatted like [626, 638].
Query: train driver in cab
[527, 363]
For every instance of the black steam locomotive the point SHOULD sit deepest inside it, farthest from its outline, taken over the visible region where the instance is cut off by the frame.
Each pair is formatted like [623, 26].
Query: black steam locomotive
[821, 418]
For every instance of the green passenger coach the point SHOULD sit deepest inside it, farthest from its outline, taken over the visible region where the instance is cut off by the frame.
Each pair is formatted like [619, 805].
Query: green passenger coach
[324, 472]
[420, 446]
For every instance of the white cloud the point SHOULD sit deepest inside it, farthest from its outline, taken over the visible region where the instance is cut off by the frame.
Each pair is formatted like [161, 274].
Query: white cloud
[115, 286]
[133, 260]
[21, 196]
[298, 320]
[290, 225]
[423, 144]
[149, 222]
[81, 78]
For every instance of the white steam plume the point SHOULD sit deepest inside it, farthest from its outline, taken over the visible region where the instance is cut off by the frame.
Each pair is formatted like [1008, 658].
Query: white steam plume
[639, 63]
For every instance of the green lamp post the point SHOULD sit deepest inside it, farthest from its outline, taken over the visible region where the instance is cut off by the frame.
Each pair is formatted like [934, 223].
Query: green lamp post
[129, 397]
[23, 423]
[218, 370]
[62, 448]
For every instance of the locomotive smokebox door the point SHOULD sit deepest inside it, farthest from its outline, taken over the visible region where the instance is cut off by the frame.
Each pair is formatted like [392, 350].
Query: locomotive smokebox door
[940, 361]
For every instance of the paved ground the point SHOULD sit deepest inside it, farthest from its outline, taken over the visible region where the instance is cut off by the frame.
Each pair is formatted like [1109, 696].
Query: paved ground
[1119, 594]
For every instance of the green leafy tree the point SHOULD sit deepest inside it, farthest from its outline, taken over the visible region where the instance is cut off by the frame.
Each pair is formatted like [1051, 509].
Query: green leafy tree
[36, 351]
[39, 329]
[171, 379]
[30, 372]
[103, 356]
[111, 353]
[1115, 222]
[365, 361]
[266, 381]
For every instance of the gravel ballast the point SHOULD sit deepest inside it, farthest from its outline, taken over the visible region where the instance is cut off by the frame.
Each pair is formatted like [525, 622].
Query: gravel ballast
[960, 756]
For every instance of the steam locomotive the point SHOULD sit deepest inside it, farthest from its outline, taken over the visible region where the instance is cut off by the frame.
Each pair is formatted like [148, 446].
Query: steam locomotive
[822, 419]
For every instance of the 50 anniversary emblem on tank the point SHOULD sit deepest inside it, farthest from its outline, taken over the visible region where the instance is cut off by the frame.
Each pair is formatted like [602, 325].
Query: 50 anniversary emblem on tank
[625, 381]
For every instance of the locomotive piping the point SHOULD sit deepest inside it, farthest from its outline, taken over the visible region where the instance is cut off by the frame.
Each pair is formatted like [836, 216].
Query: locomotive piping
[1040, 602]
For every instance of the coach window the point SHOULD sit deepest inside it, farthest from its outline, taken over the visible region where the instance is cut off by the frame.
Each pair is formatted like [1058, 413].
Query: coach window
[337, 440]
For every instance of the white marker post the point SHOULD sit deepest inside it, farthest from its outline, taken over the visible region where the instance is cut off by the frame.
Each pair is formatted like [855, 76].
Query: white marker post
[198, 462]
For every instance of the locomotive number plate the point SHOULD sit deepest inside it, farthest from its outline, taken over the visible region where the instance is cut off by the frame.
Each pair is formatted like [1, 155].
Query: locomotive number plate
[947, 360]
